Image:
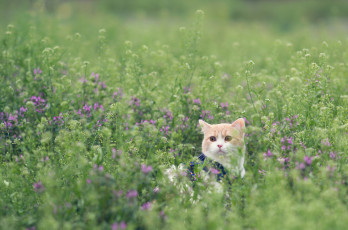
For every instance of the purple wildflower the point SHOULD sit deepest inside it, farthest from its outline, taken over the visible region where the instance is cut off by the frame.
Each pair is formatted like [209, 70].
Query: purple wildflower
[123, 225]
[269, 154]
[37, 71]
[246, 121]
[146, 206]
[308, 160]
[146, 169]
[113, 153]
[224, 105]
[165, 129]
[262, 172]
[96, 76]
[187, 89]
[332, 155]
[117, 95]
[132, 194]
[197, 101]
[38, 187]
[326, 142]
[22, 110]
[290, 141]
[168, 115]
[303, 145]
[116, 226]
[83, 80]
[135, 101]
[283, 160]
[32, 228]
[206, 113]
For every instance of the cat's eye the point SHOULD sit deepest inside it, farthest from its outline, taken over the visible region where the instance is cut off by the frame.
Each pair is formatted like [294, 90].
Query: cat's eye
[212, 138]
[228, 138]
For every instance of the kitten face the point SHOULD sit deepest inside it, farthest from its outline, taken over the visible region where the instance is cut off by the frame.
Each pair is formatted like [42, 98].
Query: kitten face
[224, 143]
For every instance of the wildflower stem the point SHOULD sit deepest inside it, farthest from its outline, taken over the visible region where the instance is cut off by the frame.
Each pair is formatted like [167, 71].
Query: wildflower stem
[247, 73]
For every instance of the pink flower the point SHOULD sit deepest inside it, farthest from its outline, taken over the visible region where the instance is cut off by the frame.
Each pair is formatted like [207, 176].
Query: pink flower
[290, 141]
[269, 154]
[38, 187]
[308, 160]
[132, 194]
[146, 169]
[116, 226]
[197, 101]
[326, 142]
[83, 80]
[123, 225]
[146, 206]
[37, 71]
[332, 155]
[262, 172]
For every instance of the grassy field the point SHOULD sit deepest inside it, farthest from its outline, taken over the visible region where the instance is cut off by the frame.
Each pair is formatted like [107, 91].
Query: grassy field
[98, 99]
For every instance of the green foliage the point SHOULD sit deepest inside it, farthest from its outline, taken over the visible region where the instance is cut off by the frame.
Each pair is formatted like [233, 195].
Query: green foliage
[94, 110]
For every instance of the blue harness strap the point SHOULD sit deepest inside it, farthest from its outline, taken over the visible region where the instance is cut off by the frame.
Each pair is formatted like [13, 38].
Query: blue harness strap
[202, 158]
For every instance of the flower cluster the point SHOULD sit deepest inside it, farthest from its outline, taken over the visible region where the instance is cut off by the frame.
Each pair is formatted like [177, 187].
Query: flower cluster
[58, 120]
[268, 154]
[146, 169]
[39, 102]
[97, 82]
[287, 143]
[143, 122]
[9, 121]
[187, 89]
[197, 101]
[291, 121]
[146, 206]
[165, 130]
[206, 114]
[87, 111]
[117, 226]
[38, 187]
[132, 194]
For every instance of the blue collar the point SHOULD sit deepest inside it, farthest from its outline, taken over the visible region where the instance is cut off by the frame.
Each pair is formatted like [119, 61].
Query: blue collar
[202, 158]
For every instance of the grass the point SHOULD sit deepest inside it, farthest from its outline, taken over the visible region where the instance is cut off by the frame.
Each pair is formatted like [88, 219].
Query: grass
[93, 110]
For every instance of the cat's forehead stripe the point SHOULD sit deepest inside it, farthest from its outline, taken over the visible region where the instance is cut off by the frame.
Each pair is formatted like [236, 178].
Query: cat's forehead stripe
[223, 129]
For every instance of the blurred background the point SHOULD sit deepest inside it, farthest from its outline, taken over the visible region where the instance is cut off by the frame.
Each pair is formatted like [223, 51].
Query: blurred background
[284, 15]
[233, 31]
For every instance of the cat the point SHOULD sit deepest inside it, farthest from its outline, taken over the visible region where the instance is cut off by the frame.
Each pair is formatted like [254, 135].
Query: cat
[224, 144]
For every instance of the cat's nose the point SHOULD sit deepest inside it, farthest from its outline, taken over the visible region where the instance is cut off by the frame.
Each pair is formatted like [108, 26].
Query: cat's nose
[220, 146]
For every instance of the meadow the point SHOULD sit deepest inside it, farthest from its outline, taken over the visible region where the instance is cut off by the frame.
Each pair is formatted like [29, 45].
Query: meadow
[96, 104]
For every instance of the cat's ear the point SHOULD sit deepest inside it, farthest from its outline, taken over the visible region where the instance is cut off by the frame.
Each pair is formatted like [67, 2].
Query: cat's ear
[239, 125]
[204, 125]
